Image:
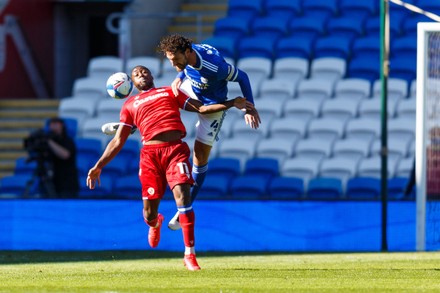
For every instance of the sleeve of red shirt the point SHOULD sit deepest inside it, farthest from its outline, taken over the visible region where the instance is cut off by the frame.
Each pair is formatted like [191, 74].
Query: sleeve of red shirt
[182, 99]
[125, 116]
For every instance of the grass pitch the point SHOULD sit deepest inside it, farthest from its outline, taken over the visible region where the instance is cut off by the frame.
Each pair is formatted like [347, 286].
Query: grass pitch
[154, 271]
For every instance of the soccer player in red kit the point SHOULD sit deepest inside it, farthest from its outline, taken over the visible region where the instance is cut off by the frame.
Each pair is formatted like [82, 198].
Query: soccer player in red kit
[164, 157]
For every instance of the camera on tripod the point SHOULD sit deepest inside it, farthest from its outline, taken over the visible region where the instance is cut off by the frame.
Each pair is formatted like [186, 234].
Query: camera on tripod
[36, 145]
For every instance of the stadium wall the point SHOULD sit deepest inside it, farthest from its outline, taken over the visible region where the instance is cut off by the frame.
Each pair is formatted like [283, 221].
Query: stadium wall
[296, 226]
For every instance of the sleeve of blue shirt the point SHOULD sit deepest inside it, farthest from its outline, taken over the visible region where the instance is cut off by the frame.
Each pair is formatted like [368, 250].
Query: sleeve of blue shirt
[237, 75]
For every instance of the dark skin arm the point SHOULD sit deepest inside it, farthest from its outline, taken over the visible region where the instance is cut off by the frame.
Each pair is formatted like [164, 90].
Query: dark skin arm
[196, 106]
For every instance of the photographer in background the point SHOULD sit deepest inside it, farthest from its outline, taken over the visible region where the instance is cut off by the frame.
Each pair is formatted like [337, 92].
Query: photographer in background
[55, 153]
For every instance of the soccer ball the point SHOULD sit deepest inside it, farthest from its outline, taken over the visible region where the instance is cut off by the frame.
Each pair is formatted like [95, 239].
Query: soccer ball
[119, 85]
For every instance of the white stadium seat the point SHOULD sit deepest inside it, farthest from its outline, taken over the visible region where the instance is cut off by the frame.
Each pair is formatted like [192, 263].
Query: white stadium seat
[353, 88]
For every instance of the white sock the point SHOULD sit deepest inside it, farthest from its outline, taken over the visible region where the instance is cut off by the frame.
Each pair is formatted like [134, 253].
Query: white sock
[190, 250]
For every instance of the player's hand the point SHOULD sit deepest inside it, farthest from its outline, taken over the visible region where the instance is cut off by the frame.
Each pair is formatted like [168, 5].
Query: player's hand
[252, 118]
[240, 103]
[92, 177]
[175, 85]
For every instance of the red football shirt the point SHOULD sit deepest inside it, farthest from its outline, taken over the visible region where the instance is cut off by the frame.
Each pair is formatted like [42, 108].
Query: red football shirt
[154, 111]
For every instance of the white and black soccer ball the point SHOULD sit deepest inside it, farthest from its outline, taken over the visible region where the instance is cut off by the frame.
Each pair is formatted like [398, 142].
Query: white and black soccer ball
[119, 85]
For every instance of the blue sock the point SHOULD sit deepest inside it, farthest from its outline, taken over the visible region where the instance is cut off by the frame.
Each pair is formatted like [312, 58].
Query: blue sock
[199, 174]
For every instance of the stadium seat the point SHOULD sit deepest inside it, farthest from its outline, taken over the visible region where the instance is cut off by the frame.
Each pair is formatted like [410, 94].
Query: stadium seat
[397, 89]
[372, 25]
[372, 108]
[109, 109]
[371, 167]
[91, 127]
[292, 127]
[329, 68]
[352, 88]
[13, 185]
[403, 68]
[320, 9]
[410, 23]
[89, 148]
[315, 148]
[215, 187]
[152, 63]
[256, 46]
[404, 47]
[307, 27]
[315, 89]
[304, 168]
[189, 119]
[329, 129]
[117, 167]
[397, 149]
[295, 46]
[277, 89]
[398, 11]
[247, 9]
[270, 27]
[25, 167]
[286, 188]
[366, 68]
[431, 6]
[292, 69]
[244, 131]
[84, 162]
[237, 147]
[404, 167]
[366, 47]
[91, 87]
[249, 187]
[363, 128]
[396, 187]
[305, 109]
[402, 129]
[257, 68]
[225, 45]
[133, 167]
[406, 108]
[333, 46]
[350, 27]
[127, 187]
[358, 9]
[363, 188]
[104, 190]
[78, 108]
[283, 8]
[265, 168]
[232, 28]
[168, 74]
[324, 189]
[339, 168]
[353, 149]
[226, 167]
[277, 148]
[340, 109]
[130, 151]
[104, 66]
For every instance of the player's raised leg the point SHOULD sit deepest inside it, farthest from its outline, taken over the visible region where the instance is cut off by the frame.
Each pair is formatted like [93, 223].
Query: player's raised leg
[154, 220]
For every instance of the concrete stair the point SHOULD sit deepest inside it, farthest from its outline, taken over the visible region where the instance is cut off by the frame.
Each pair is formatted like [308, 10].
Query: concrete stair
[19, 118]
[210, 11]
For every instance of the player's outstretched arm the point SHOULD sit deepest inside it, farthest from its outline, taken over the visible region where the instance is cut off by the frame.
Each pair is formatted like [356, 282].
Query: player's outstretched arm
[175, 85]
[193, 105]
[252, 118]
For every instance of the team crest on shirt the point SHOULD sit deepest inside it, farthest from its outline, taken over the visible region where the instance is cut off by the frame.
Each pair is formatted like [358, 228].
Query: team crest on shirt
[209, 52]
[150, 191]
[204, 80]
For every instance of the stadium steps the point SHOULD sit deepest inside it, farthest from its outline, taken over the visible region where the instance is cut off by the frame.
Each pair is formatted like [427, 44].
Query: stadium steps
[18, 118]
[210, 11]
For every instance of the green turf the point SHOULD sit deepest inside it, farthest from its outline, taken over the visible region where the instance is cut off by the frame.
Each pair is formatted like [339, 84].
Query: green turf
[153, 271]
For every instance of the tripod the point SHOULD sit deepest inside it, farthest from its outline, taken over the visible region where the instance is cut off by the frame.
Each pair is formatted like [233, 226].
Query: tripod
[42, 175]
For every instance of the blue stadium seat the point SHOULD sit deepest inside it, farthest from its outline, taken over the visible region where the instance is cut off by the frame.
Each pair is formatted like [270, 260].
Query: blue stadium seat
[400, 11]
[333, 46]
[248, 9]
[410, 23]
[71, 126]
[249, 187]
[405, 47]
[265, 167]
[429, 5]
[24, 167]
[283, 8]
[324, 188]
[84, 163]
[14, 185]
[256, 47]
[271, 27]
[358, 9]
[130, 151]
[101, 191]
[320, 8]
[88, 147]
[366, 47]
[227, 167]
[117, 167]
[403, 68]
[347, 27]
[233, 28]
[301, 47]
[127, 187]
[286, 188]
[396, 187]
[363, 188]
[307, 27]
[372, 26]
[366, 68]
[215, 187]
[225, 45]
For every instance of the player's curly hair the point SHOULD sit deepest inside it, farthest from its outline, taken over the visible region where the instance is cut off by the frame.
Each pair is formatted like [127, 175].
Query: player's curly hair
[174, 43]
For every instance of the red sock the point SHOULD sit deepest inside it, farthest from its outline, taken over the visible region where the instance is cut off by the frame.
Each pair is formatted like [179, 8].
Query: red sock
[187, 221]
[152, 223]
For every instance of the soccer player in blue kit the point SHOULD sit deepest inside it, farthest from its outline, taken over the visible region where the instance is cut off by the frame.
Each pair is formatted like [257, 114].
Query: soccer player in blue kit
[208, 74]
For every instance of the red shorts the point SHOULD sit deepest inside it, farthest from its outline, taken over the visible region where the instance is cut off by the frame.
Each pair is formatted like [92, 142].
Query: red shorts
[161, 164]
